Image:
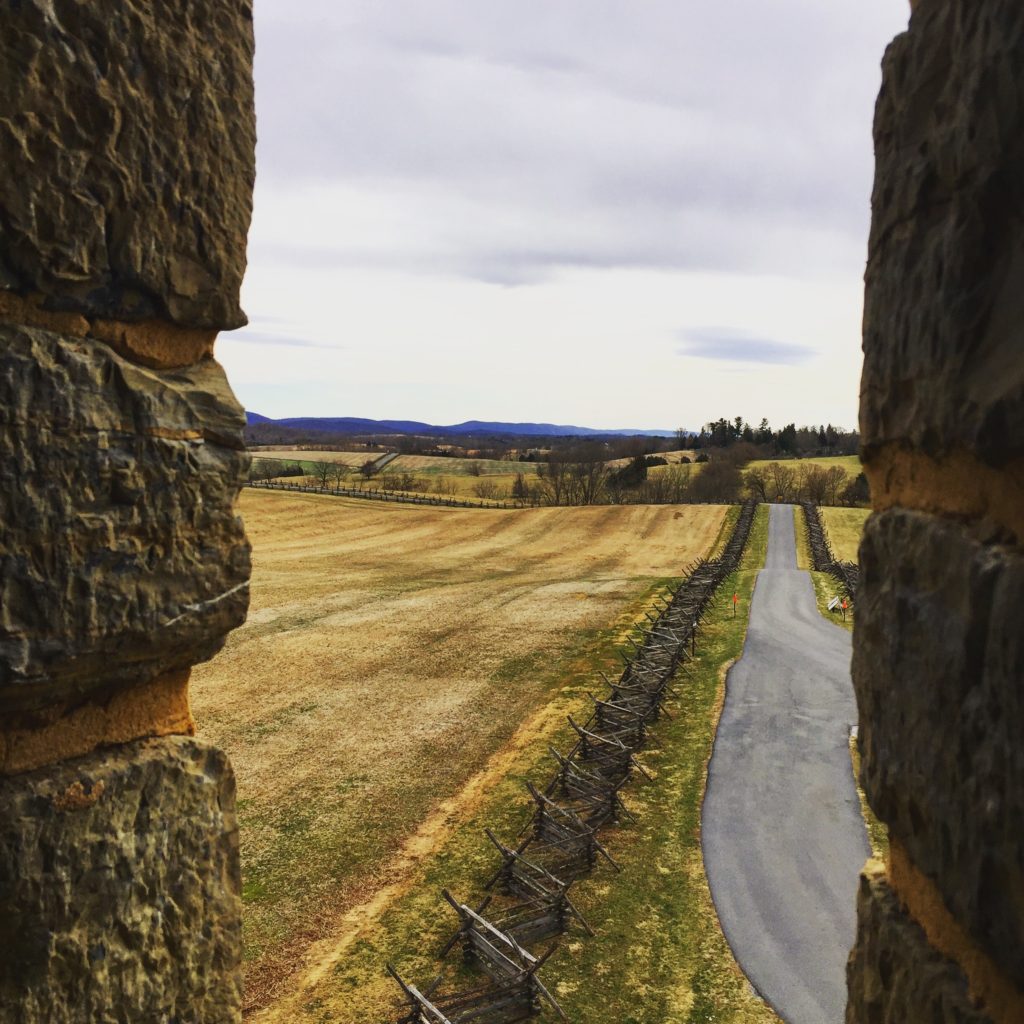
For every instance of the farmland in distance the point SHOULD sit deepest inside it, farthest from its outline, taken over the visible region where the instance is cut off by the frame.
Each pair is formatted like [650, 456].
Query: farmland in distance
[445, 476]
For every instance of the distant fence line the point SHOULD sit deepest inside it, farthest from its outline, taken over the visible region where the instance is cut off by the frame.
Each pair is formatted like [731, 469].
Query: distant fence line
[376, 494]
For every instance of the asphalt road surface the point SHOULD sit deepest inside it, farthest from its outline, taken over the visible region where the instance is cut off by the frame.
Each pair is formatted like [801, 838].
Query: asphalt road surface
[783, 836]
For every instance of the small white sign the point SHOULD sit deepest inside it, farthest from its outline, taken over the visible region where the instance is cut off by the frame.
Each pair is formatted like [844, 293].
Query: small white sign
[833, 604]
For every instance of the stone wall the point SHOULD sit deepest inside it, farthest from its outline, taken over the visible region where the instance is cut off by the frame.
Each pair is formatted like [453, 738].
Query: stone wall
[128, 142]
[938, 650]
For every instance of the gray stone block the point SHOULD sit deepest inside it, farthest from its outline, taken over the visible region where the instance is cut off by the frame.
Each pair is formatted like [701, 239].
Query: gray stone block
[120, 888]
[121, 557]
[894, 976]
[128, 144]
[937, 666]
[944, 300]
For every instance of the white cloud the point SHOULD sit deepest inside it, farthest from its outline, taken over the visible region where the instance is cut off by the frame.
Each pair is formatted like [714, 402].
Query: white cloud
[631, 170]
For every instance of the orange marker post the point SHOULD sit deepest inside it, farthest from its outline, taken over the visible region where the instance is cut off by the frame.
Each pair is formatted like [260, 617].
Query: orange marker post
[844, 609]
[735, 601]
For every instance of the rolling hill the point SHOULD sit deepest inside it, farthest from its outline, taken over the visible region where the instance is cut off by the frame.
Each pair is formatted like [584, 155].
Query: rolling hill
[470, 428]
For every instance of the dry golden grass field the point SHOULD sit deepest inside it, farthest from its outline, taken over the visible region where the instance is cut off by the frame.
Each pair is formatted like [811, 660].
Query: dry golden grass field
[354, 459]
[844, 527]
[459, 476]
[449, 477]
[673, 456]
[396, 660]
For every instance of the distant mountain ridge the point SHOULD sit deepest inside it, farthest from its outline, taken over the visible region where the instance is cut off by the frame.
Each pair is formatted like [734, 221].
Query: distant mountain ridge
[357, 425]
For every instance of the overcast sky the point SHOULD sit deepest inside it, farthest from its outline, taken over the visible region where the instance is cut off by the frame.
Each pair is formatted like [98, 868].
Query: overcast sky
[612, 214]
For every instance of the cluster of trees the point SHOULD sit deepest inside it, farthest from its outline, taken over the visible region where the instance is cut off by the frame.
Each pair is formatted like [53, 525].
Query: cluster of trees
[788, 481]
[583, 474]
[790, 440]
[271, 469]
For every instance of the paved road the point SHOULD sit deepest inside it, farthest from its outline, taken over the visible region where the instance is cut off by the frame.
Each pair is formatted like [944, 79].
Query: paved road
[782, 831]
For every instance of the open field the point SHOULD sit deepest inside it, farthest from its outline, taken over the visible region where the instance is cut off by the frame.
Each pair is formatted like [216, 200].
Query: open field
[659, 954]
[440, 475]
[432, 464]
[396, 662]
[354, 459]
[672, 456]
[844, 527]
[459, 476]
[421, 465]
[851, 463]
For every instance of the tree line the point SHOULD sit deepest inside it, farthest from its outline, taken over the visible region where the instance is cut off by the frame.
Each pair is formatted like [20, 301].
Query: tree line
[583, 473]
[788, 441]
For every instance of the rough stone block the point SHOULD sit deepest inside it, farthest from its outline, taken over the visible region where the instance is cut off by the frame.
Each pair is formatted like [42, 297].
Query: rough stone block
[937, 666]
[893, 975]
[944, 300]
[121, 556]
[120, 888]
[128, 142]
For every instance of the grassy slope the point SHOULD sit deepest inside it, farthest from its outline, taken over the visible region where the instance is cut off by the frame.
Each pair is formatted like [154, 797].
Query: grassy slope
[844, 527]
[851, 463]
[659, 954]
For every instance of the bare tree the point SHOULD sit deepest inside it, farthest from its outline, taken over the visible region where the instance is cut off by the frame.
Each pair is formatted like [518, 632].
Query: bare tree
[783, 481]
[588, 473]
[339, 472]
[677, 481]
[814, 483]
[485, 489]
[836, 478]
[322, 472]
[758, 480]
[554, 478]
[401, 480]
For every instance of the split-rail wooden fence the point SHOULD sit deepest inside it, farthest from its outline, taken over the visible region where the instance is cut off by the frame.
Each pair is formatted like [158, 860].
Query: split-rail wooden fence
[400, 498]
[846, 574]
[508, 936]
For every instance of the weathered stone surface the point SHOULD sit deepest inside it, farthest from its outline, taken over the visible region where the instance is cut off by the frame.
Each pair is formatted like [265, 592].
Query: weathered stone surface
[121, 556]
[128, 141]
[937, 666]
[944, 302]
[893, 975]
[120, 888]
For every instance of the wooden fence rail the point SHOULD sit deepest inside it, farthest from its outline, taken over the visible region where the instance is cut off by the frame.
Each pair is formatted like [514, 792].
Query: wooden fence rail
[400, 498]
[529, 900]
[847, 574]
